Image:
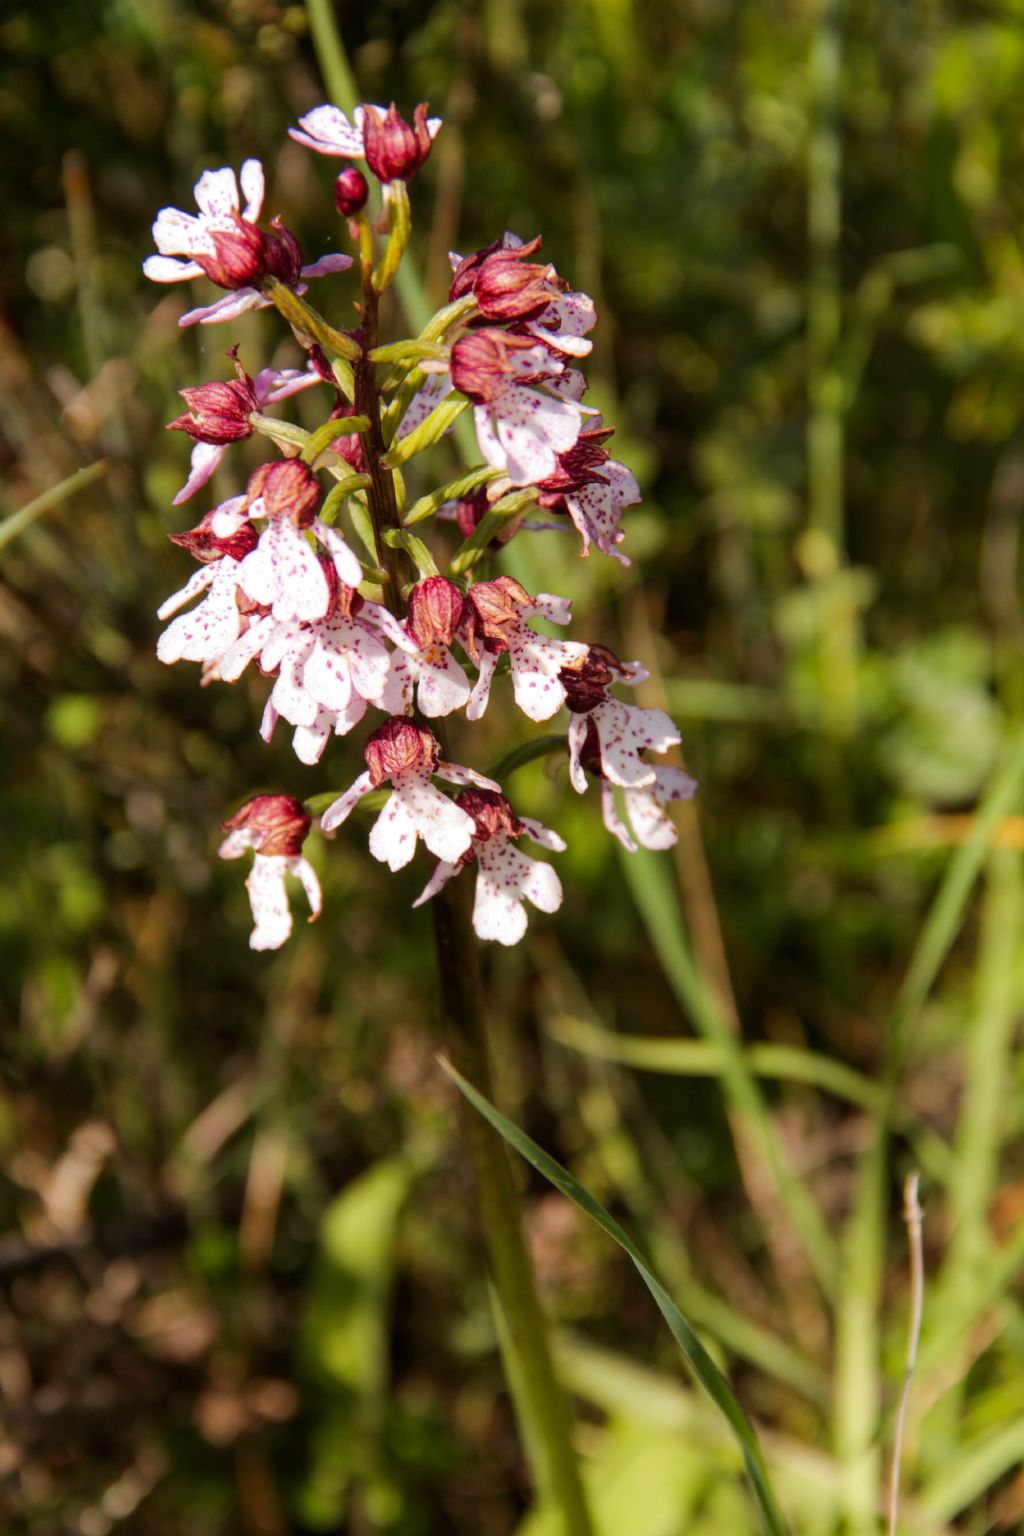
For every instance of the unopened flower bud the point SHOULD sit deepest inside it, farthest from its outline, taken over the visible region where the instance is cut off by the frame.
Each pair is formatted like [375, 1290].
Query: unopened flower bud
[351, 190]
[274, 825]
[398, 745]
[395, 150]
[284, 488]
[435, 608]
[282, 254]
[206, 545]
[496, 604]
[237, 257]
[481, 361]
[491, 812]
[506, 286]
[219, 412]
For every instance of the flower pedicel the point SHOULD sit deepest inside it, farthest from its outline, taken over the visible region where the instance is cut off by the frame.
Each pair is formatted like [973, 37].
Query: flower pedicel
[279, 581]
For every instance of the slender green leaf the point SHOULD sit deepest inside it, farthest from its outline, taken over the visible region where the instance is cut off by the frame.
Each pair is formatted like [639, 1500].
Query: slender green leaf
[26, 515]
[696, 1356]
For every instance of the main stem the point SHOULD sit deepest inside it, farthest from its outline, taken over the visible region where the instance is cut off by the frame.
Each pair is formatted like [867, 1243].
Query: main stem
[380, 496]
[544, 1405]
[547, 1430]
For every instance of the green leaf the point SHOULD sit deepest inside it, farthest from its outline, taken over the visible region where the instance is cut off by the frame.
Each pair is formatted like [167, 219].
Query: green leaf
[26, 515]
[426, 506]
[490, 526]
[441, 419]
[419, 554]
[696, 1356]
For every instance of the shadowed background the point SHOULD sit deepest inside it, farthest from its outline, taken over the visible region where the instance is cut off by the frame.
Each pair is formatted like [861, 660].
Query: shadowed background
[242, 1288]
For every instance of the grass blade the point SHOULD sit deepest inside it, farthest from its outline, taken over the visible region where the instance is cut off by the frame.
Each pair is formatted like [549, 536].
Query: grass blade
[26, 515]
[696, 1356]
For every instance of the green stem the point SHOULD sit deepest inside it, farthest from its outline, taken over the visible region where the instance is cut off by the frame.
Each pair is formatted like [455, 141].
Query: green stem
[549, 1438]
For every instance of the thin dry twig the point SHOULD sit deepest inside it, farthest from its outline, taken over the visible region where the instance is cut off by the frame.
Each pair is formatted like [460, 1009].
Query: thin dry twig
[913, 1217]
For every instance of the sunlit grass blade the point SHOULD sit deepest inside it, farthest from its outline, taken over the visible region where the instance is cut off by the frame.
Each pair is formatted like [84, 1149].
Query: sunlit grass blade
[858, 1384]
[657, 902]
[25, 516]
[696, 1356]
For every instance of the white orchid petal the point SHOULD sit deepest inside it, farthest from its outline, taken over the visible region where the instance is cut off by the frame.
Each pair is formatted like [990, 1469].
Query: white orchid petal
[204, 460]
[345, 804]
[254, 188]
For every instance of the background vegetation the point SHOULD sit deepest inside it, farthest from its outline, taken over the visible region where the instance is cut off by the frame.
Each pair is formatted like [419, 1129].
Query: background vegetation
[241, 1283]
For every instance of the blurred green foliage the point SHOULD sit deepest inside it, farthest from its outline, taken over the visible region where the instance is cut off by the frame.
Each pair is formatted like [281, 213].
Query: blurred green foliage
[242, 1287]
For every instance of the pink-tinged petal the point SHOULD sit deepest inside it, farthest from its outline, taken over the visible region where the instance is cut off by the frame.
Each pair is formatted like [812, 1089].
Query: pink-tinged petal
[538, 695]
[437, 388]
[507, 877]
[456, 773]
[370, 661]
[532, 429]
[572, 385]
[308, 741]
[336, 261]
[204, 460]
[624, 731]
[167, 269]
[268, 725]
[283, 571]
[253, 189]
[197, 582]
[651, 823]
[271, 914]
[482, 687]
[396, 698]
[445, 828]
[228, 517]
[328, 131]
[207, 631]
[274, 384]
[343, 807]
[345, 563]
[327, 674]
[228, 308]
[610, 815]
[289, 697]
[442, 874]
[577, 736]
[304, 872]
[396, 632]
[217, 193]
[237, 842]
[443, 686]
[393, 834]
[487, 437]
[248, 645]
[543, 835]
[536, 661]
[645, 808]
[533, 362]
[176, 233]
[283, 641]
[547, 605]
[565, 323]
